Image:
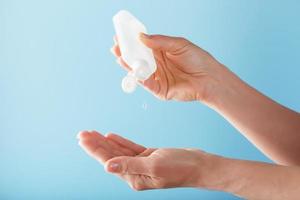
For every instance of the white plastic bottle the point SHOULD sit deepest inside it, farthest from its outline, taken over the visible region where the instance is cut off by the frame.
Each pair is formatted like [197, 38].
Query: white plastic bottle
[139, 57]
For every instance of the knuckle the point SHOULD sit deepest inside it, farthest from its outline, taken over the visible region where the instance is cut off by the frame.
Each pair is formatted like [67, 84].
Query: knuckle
[137, 185]
[125, 166]
[191, 149]
[182, 40]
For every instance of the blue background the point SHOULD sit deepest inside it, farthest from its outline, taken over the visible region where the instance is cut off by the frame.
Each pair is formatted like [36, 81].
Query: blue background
[57, 77]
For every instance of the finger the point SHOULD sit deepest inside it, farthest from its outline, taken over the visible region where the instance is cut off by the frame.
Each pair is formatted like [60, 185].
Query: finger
[126, 143]
[89, 134]
[115, 50]
[147, 152]
[82, 135]
[99, 139]
[106, 145]
[96, 145]
[95, 151]
[125, 151]
[163, 43]
[127, 165]
[152, 83]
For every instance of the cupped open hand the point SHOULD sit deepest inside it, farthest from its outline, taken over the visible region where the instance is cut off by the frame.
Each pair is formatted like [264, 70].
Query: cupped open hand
[147, 168]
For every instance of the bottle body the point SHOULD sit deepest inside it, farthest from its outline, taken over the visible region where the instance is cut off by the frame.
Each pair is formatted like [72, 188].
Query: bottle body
[139, 57]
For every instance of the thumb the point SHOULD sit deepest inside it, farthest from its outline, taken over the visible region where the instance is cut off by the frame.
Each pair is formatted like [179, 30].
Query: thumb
[126, 165]
[163, 43]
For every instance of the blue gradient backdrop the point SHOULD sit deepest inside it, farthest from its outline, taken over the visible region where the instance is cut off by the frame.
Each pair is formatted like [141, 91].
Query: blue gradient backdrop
[57, 77]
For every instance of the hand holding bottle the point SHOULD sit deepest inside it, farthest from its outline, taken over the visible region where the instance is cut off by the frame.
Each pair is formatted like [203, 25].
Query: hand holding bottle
[184, 72]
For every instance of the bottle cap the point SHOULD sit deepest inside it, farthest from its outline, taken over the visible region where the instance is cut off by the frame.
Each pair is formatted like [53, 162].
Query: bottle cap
[129, 83]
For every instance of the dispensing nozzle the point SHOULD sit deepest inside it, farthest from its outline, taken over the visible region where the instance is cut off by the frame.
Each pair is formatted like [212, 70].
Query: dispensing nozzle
[140, 72]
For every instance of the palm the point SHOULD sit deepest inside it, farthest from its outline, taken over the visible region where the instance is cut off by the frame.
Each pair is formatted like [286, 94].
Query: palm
[104, 148]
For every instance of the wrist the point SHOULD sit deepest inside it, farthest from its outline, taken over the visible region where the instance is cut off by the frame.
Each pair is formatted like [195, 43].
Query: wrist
[227, 175]
[222, 85]
[213, 173]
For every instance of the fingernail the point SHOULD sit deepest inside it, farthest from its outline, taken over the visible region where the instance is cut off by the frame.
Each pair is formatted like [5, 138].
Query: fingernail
[144, 35]
[80, 134]
[114, 167]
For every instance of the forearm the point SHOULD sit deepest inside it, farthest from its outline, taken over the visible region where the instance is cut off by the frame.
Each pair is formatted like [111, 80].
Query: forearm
[273, 128]
[255, 180]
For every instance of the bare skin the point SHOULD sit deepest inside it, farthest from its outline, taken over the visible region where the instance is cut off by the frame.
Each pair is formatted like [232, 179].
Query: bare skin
[143, 168]
[185, 72]
[150, 168]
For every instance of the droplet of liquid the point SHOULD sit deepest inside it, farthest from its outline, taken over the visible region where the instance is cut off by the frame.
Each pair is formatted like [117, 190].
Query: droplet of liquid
[145, 106]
